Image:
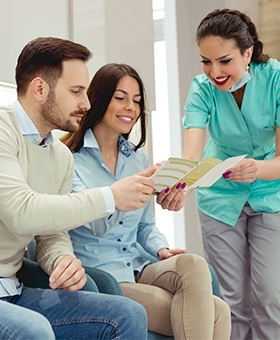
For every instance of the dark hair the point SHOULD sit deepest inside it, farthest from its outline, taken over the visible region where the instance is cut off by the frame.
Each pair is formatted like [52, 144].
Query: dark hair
[232, 24]
[100, 93]
[43, 57]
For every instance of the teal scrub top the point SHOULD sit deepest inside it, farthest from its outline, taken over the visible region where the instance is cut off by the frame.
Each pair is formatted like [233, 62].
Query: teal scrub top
[233, 131]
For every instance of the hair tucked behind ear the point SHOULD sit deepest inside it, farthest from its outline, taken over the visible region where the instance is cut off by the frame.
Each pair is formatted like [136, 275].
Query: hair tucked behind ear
[233, 24]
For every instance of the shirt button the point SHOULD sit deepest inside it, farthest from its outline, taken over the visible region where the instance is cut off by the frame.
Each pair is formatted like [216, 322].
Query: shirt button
[119, 240]
[128, 264]
[121, 222]
[124, 249]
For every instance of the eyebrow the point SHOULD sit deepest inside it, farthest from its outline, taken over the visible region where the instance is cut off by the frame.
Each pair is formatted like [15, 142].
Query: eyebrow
[224, 56]
[79, 86]
[124, 92]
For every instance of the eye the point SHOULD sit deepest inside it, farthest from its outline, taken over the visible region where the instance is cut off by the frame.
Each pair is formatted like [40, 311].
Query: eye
[119, 98]
[205, 62]
[75, 92]
[227, 61]
[137, 102]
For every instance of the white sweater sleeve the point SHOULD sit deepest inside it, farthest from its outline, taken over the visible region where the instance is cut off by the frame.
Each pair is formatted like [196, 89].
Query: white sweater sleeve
[26, 211]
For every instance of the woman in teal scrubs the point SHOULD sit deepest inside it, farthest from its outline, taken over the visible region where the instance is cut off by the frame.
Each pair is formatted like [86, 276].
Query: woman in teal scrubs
[238, 99]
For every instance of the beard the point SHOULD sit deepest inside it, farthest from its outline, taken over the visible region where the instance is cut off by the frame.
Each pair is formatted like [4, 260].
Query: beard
[53, 116]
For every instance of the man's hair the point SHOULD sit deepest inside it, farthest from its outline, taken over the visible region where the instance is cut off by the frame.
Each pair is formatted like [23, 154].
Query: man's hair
[43, 57]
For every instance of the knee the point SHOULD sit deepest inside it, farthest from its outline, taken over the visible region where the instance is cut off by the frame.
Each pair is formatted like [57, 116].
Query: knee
[41, 329]
[136, 311]
[193, 264]
[194, 271]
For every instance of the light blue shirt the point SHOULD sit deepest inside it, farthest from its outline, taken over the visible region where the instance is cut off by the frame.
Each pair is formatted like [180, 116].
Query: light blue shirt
[28, 129]
[233, 131]
[110, 243]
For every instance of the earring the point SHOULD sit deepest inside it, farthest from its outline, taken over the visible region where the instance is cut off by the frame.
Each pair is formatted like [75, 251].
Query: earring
[247, 68]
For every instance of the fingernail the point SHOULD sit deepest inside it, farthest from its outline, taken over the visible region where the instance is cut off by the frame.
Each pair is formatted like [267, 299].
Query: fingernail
[178, 186]
[167, 190]
[226, 174]
[183, 185]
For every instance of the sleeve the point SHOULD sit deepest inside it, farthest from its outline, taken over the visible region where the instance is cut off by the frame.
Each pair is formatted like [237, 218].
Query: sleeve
[107, 194]
[150, 238]
[50, 249]
[148, 235]
[29, 213]
[197, 107]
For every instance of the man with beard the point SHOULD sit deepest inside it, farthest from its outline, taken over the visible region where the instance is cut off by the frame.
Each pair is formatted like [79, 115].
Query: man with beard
[36, 173]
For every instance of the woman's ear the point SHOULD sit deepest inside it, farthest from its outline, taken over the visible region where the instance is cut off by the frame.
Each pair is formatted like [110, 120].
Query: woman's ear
[39, 89]
[249, 53]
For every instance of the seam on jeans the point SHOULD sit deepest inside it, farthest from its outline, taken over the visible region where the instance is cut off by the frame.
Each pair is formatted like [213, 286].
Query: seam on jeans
[6, 333]
[84, 320]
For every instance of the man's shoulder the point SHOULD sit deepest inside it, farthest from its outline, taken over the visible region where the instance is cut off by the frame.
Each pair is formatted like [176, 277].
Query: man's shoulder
[7, 113]
[8, 120]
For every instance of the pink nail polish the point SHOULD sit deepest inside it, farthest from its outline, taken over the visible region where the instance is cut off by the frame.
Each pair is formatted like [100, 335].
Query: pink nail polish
[167, 190]
[184, 185]
[178, 186]
[226, 174]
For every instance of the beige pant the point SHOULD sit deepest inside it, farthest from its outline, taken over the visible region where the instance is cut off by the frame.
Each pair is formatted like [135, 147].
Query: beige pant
[177, 296]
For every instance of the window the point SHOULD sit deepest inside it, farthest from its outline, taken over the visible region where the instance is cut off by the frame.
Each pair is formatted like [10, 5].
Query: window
[160, 117]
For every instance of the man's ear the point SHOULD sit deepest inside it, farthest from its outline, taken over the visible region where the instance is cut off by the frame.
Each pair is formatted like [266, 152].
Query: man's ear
[39, 89]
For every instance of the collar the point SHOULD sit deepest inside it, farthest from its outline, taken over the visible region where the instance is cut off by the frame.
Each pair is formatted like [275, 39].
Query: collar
[28, 129]
[125, 147]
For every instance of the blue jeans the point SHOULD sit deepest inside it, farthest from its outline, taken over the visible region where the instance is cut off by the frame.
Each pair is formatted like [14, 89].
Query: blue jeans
[85, 315]
[17, 323]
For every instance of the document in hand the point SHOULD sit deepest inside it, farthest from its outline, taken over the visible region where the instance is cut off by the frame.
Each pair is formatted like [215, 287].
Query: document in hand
[203, 174]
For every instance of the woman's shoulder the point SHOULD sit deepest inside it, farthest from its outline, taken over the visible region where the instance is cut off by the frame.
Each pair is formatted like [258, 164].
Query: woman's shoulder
[270, 66]
[201, 80]
[201, 84]
[266, 74]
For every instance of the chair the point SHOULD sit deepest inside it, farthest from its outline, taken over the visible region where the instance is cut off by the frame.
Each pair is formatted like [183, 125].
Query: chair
[98, 280]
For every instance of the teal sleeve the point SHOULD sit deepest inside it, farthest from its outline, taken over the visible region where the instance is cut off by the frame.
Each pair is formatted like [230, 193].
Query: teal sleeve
[198, 103]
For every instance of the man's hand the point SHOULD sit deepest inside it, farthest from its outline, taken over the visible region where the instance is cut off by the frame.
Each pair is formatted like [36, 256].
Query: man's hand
[68, 274]
[165, 253]
[174, 199]
[148, 172]
[130, 193]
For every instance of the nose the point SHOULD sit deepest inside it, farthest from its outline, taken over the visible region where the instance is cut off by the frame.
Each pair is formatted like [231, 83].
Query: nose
[130, 106]
[214, 71]
[85, 103]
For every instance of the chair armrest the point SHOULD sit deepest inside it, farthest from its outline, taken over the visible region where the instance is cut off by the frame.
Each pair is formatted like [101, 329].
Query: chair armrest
[32, 275]
[105, 281]
[215, 282]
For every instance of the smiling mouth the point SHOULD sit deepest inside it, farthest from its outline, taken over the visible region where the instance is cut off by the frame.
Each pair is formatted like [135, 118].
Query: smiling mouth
[125, 119]
[221, 81]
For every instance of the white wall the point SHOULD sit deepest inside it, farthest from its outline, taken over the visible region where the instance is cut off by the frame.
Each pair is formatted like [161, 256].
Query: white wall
[22, 21]
[113, 30]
